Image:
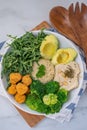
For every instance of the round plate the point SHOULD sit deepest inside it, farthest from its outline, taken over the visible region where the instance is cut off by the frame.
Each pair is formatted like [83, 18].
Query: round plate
[64, 43]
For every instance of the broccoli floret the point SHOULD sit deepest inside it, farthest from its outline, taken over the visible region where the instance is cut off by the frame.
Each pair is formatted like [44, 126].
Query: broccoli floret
[52, 87]
[46, 98]
[56, 107]
[50, 99]
[43, 108]
[62, 95]
[35, 103]
[32, 101]
[53, 103]
[38, 88]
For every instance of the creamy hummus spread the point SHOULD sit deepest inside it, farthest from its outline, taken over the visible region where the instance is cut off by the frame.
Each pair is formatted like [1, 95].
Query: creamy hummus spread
[67, 75]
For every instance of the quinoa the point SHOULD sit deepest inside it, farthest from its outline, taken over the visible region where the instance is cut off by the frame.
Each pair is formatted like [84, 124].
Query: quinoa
[49, 72]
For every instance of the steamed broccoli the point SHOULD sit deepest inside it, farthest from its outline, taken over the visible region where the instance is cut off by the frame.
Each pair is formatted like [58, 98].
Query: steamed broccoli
[62, 95]
[50, 99]
[46, 98]
[32, 101]
[56, 107]
[43, 108]
[52, 87]
[52, 102]
[38, 88]
[35, 103]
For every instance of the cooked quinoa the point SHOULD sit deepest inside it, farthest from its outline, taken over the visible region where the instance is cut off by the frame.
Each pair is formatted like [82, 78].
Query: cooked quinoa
[49, 72]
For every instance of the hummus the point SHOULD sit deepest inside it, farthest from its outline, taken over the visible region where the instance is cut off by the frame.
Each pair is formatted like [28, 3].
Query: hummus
[67, 75]
[49, 74]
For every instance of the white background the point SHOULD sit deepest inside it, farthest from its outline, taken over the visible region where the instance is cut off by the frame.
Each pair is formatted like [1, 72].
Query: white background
[16, 17]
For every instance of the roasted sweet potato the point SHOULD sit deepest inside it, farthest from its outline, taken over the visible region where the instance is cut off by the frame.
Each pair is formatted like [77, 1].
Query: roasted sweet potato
[20, 98]
[21, 88]
[12, 89]
[15, 77]
[27, 80]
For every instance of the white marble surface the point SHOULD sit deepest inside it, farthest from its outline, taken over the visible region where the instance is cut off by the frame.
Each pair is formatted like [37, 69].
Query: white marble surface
[16, 17]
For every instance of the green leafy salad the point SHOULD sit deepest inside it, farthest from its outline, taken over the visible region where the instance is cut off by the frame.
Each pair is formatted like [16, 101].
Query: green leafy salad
[23, 52]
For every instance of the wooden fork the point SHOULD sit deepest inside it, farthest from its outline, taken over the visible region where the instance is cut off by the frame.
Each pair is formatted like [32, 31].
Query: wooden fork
[78, 19]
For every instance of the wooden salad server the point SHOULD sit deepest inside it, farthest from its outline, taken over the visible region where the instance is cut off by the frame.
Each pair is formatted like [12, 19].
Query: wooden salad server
[78, 19]
[59, 17]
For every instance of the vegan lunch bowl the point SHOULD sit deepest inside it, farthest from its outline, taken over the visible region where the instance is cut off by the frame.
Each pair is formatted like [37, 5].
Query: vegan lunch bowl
[41, 71]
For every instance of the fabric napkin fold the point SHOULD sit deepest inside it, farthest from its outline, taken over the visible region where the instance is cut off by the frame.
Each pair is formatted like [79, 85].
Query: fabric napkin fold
[66, 113]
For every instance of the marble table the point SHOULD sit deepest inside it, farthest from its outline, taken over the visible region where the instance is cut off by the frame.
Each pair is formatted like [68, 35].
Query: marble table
[16, 17]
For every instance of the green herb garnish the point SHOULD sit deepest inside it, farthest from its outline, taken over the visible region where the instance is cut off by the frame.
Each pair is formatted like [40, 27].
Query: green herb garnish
[41, 71]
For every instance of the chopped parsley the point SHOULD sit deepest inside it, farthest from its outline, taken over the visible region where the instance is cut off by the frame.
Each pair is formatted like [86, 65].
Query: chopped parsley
[41, 71]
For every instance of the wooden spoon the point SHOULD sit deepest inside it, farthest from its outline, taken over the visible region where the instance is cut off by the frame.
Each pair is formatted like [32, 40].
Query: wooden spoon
[78, 19]
[59, 17]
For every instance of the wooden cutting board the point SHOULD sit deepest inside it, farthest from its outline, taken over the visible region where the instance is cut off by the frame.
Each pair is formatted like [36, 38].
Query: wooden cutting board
[32, 120]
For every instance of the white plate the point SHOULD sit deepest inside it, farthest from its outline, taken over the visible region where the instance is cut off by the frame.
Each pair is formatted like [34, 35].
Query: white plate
[64, 43]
